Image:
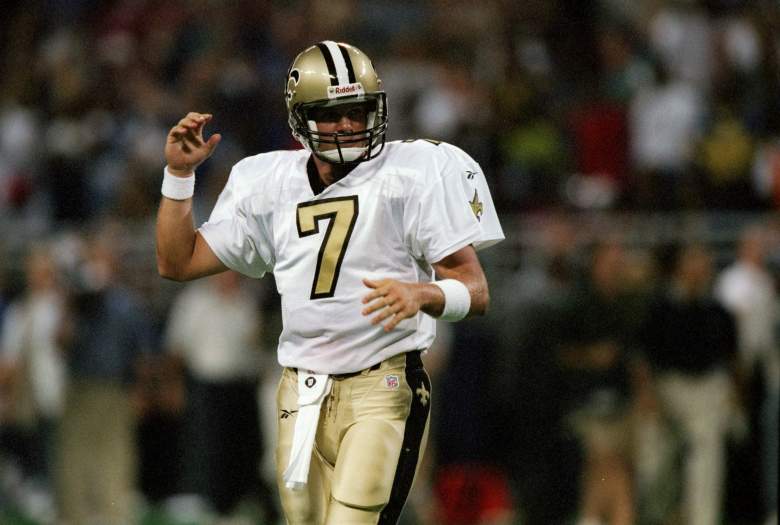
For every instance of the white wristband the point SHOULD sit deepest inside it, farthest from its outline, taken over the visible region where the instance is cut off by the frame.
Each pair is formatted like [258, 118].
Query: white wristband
[178, 188]
[457, 299]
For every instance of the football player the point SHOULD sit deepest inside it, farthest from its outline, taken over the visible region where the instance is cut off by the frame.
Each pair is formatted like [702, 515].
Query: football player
[369, 242]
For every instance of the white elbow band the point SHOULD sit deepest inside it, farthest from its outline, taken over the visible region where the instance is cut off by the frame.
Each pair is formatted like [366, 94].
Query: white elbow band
[457, 299]
[178, 188]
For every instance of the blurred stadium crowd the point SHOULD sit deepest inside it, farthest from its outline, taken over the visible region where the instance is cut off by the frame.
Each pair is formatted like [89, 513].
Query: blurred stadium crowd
[628, 371]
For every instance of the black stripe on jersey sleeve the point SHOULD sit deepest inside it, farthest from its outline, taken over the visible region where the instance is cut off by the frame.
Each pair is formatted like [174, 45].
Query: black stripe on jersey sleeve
[334, 78]
[348, 61]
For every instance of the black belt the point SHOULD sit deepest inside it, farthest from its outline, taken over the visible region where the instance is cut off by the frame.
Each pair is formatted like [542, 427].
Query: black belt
[353, 374]
[413, 360]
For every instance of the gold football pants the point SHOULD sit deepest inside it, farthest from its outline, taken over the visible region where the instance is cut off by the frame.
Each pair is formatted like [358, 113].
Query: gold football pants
[370, 439]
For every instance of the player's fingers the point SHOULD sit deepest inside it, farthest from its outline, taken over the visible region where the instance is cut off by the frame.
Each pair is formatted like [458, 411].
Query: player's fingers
[182, 133]
[193, 138]
[370, 297]
[381, 288]
[198, 117]
[197, 129]
[177, 132]
[212, 142]
[378, 304]
[195, 121]
[377, 283]
[375, 294]
[397, 318]
[186, 145]
[189, 123]
[384, 314]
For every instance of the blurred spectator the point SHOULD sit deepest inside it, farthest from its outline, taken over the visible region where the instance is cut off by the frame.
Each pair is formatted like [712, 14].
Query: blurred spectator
[160, 402]
[624, 71]
[746, 67]
[766, 172]
[690, 342]
[525, 310]
[599, 124]
[595, 331]
[214, 331]
[19, 149]
[446, 105]
[665, 123]
[471, 484]
[601, 153]
[534, 160]
[104, 334]
[35, 360]
[748, 290]
[725, 155]
[681, 34]
[407, 74]
[473, 493]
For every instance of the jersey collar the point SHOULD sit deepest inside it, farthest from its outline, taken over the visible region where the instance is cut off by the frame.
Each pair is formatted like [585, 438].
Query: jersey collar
[316, 184]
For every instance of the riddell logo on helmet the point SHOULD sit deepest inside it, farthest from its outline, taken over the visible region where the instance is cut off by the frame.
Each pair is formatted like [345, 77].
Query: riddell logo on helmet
[346, 91]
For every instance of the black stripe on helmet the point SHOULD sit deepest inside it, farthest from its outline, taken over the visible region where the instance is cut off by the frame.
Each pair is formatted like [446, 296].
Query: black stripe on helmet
[334, 78]
[348, 61]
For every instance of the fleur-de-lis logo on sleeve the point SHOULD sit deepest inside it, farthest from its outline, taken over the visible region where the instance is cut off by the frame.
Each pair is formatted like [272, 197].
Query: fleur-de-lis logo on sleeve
[476, 206]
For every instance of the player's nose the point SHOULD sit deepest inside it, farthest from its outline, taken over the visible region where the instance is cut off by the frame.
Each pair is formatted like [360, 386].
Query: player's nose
[345, 124]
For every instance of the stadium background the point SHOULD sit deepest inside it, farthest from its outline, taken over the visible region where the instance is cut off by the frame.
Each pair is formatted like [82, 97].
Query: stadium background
[637, 123]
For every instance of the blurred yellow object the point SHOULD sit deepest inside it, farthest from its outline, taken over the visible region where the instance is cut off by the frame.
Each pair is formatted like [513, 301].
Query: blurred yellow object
[727, 152]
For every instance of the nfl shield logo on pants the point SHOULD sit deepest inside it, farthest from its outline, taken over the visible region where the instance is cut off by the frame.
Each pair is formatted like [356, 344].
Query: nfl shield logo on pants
[391, 382]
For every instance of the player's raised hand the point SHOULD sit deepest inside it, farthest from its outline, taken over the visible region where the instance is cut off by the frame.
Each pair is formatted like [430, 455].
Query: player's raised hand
[185, 148]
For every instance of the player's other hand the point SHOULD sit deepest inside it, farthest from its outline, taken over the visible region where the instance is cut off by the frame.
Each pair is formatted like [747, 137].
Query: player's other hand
[394, 300]
[185, 148]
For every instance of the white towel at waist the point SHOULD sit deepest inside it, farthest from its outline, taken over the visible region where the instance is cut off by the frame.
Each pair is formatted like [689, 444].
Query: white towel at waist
[312, 390]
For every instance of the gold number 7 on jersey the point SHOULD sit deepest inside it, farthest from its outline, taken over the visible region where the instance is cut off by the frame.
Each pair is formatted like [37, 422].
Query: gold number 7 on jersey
[341, 212]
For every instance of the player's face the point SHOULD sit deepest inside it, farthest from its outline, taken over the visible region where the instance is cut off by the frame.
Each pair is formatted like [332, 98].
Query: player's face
[346, 119]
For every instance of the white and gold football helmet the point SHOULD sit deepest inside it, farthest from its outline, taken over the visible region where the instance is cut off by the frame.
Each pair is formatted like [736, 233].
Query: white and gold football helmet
[327, 75]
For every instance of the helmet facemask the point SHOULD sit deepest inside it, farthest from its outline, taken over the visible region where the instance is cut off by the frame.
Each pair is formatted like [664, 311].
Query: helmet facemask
[357, 146]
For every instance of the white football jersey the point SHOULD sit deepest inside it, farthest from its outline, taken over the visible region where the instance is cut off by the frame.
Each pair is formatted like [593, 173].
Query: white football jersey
[390, 217]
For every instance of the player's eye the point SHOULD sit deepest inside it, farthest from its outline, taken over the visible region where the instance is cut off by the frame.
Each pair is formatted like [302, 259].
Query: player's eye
[357, 114]
[326, 115]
